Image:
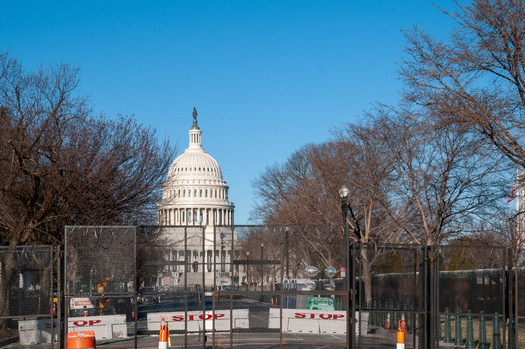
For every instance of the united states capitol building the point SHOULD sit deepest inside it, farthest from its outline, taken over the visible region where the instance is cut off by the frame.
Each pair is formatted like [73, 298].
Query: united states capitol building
[197, 216]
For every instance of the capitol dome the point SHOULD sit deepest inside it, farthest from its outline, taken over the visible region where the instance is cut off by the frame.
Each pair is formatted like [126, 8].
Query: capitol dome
[195, 192]
[195, 162]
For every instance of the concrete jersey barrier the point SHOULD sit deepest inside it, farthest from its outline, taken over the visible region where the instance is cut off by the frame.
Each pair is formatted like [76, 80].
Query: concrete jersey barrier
[104, 326]
[37, 331]
[309, 321]
[196, 320]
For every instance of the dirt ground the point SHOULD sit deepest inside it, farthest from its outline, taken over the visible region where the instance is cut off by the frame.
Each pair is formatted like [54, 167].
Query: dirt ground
[8, 332]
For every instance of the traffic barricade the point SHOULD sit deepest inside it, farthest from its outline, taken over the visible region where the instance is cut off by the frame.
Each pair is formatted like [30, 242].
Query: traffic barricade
[196, 320]
[104, 326]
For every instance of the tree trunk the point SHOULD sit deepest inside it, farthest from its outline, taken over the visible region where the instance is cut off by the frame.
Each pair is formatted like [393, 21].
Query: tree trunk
[7, 273]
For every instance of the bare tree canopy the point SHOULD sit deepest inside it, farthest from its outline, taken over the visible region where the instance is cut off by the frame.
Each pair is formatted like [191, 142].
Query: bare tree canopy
[477, 76]
[304, 189]
[61, 164]
[304, 192]
[442, 181]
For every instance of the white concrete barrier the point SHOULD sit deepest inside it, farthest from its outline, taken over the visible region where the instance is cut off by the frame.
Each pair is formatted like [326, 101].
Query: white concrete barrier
[196, 320]
[314, 321]
[104, 326]
[37, 331]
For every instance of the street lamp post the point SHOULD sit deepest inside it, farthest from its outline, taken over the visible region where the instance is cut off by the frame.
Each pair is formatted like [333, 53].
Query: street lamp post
[248, 270]
[262, 265]
[344, 192]
[287, 246]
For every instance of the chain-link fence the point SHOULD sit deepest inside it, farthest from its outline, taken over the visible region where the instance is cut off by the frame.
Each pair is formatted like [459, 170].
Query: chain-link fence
[28, 304]
[262, 286]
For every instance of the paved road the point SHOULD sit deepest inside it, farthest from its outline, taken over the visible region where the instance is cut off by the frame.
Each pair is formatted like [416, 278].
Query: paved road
[257, 336]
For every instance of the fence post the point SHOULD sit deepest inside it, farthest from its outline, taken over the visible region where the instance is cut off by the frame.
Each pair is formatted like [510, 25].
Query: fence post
[61, 290]
[482, 332]
[438, 326]
[512, 335]
[496, 335]
[448, 329]
[431, 297]
[458, 340]
[510, 310]
[469, 344]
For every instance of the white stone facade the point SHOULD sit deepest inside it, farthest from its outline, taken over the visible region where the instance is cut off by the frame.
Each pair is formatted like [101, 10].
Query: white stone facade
[196, 195]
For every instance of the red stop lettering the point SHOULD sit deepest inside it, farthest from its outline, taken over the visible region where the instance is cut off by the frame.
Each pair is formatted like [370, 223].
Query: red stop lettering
[337, 316]
[80, 323]
[325, 316]
[219, 315]
[177, 318]
[300, 315]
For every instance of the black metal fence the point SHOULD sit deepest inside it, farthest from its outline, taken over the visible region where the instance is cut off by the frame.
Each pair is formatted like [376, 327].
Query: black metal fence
[28, 303]
[247, 286]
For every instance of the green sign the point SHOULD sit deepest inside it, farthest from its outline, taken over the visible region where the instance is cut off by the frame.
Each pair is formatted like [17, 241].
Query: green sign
[320, 303]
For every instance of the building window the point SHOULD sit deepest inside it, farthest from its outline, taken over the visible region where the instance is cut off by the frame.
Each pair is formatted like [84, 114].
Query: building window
[187, 261]
[208, 259]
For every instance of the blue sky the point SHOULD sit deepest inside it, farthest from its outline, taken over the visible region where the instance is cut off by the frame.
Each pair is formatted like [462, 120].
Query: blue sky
[266, 77]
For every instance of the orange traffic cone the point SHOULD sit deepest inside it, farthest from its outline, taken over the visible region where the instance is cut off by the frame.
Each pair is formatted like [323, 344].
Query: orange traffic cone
[401, 335]
[387, 326]
[81, 340]
[272, 300]
[163, 337]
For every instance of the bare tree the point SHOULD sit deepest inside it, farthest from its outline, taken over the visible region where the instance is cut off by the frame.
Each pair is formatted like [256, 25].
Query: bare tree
[442, 178]
[60, 164]
[476, 77]
[304, 193]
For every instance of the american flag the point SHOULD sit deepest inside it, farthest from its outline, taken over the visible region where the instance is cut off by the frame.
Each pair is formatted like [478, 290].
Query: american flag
[512, 195]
